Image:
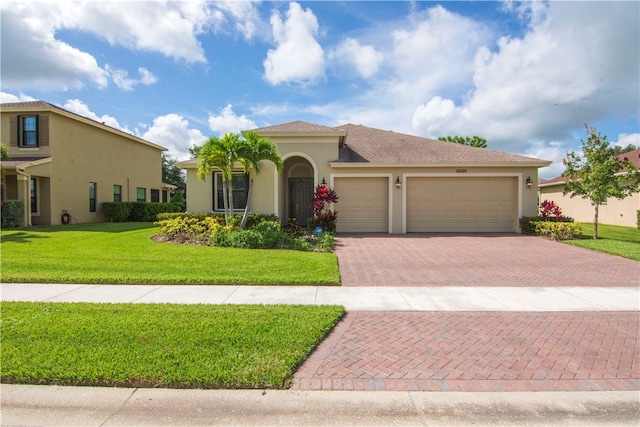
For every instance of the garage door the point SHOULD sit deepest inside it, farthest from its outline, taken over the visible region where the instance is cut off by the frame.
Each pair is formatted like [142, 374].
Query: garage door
[451, 204]
[363, 204]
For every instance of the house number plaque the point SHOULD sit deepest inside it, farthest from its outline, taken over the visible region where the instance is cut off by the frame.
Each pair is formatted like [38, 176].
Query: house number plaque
[461, 171]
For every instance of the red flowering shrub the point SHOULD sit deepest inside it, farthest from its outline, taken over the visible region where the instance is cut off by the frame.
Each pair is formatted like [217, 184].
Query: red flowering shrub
[322, 196]
[550, 211]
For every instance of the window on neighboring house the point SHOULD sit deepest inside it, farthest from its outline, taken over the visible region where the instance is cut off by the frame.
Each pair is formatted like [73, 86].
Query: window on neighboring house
[29, 131]
[33, 190]
[141, 194]
[155, 195]
[165, 196]
[92, 196]
[117, 193]
[240, 189]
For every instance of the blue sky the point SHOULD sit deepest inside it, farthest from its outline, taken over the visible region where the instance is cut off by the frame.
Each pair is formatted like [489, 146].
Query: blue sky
[525, 76]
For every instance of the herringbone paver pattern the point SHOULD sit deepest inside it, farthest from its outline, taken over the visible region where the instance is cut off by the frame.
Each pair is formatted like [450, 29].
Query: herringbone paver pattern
[476, 260]
[477, 351]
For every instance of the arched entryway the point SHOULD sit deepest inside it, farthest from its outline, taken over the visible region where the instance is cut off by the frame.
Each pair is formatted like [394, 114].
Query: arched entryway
[300, 178]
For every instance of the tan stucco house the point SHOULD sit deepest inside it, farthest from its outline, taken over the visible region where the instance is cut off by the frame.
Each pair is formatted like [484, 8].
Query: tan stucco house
[386, 181]
[616, 212]
[62, 162]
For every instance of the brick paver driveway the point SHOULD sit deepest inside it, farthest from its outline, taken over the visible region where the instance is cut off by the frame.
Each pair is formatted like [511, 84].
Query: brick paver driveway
[476, 260]
[477, 351]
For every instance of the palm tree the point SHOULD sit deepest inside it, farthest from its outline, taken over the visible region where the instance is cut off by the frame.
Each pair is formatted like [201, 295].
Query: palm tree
[222, 153]
[256, 150]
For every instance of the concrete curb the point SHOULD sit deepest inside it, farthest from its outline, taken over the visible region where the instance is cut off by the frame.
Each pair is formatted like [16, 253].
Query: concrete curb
[89, 406]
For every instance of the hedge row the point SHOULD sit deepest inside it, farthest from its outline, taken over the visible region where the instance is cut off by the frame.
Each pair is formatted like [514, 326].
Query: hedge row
[252, 219]
[558, 229]
[136, 211]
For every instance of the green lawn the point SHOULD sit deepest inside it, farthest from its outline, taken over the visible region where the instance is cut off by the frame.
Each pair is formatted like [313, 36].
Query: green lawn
[124, 253]
[615, 240]
[159, 345]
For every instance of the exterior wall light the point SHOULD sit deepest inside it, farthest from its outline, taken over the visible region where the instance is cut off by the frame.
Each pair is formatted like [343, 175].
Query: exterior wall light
[323, 181]
[398, 183]
[529, 182]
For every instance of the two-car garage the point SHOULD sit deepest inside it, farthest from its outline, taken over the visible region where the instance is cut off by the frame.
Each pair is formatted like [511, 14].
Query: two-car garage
[428, 204]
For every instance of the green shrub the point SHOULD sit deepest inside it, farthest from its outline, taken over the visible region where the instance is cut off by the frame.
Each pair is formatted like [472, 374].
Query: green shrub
[246, 239]
[12, 212]
[262, 232]
[116, 211]
[528, 223]
[136, 211]
[557, 230]
[326, 242]
[325, 220]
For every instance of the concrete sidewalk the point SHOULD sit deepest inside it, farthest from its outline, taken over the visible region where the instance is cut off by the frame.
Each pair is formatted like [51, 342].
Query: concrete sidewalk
[353, 298]
[90, 406]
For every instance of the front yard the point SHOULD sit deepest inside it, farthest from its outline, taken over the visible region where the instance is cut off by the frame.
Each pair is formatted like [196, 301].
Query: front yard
[125, 253]
[159, 345]
[614, 240]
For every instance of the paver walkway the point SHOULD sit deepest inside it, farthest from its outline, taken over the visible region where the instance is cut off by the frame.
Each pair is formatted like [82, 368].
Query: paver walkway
[476, 260]
[477, 351]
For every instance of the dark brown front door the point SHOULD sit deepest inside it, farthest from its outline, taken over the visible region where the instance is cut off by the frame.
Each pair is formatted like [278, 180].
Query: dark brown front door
[300, 197]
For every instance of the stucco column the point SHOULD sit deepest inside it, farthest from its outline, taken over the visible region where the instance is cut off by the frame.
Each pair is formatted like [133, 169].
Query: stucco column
[25, 196]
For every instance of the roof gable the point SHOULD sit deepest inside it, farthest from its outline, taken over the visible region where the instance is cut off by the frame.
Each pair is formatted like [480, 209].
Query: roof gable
[298, 128]
[36, 106]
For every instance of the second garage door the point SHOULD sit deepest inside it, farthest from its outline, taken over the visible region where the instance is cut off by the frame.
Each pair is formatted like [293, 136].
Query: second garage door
[363, 204]
[470, 204]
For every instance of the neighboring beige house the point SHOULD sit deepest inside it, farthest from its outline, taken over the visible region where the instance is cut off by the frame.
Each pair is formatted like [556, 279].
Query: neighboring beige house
[616, 212]
[386, 181]
[62, 162]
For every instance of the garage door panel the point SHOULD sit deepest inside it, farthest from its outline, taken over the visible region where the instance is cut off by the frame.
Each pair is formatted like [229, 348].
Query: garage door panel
[452, 204]
[363, 204]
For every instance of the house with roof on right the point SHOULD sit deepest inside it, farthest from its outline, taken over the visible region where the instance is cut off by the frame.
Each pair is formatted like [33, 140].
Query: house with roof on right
[387, 182]
[623, 212]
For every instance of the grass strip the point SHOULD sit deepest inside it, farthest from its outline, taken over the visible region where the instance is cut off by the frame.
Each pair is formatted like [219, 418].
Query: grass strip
[612, 239]
[124, 253]
[159, 345]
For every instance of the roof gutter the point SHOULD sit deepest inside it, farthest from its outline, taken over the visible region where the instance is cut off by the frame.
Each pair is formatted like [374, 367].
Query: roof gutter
[540, 164]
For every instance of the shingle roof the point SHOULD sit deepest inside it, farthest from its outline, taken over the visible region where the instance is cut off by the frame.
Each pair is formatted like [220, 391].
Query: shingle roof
[633, 156]
[368, 145]
[22, 161]
[28, 104]
[298, 127]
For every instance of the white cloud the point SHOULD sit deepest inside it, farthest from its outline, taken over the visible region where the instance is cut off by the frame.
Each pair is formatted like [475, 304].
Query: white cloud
[32, 56]
[298, 57]
[122, 80]
[228, 122]
[6, 97]
[172, 131]
[625, 139]
[169, 28]
[245, 15]
[366, 59]
[553, 151]
[543, 85]
[430, 53]
[79, 107]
